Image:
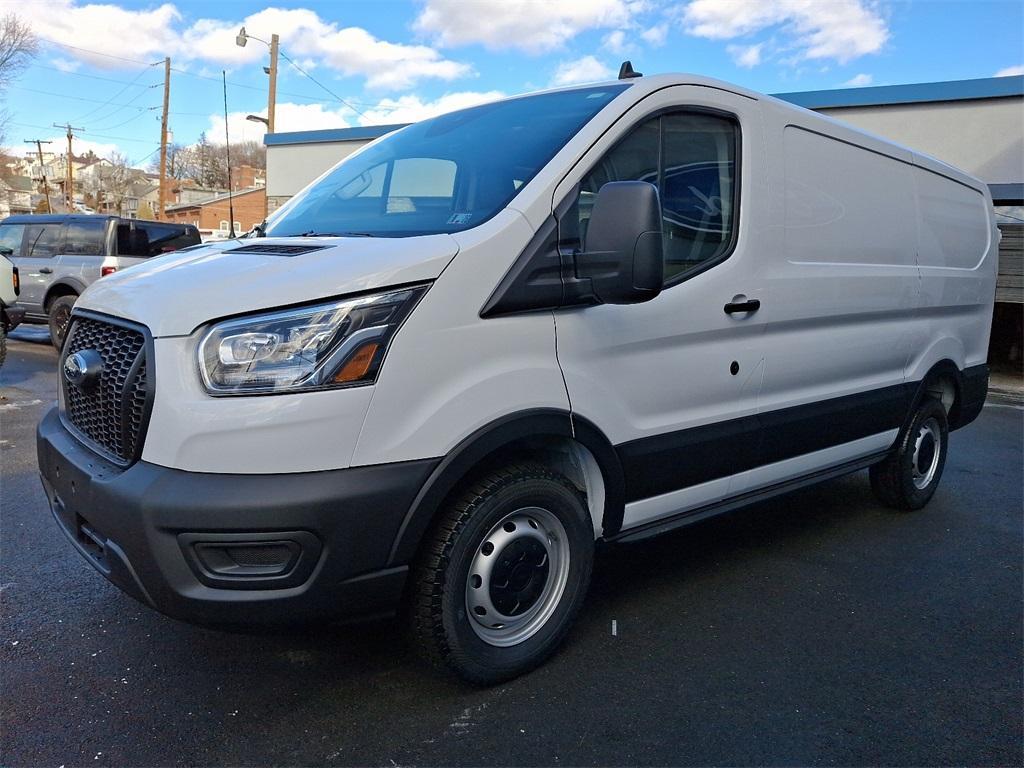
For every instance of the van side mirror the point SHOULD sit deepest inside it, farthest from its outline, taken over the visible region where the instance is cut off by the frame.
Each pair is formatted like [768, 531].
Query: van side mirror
[622, 255]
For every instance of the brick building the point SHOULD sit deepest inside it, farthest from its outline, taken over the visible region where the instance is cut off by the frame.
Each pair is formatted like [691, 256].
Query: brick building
[211, 215]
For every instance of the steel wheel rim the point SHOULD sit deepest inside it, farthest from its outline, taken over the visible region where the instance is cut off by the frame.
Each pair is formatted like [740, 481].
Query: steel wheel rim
[510, 593]
[927, 451]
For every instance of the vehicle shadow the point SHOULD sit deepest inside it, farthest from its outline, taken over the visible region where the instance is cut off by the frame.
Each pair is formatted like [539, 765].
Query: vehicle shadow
[339, 655]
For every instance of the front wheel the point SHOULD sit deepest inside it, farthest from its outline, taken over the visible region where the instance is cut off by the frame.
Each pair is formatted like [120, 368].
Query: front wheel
[908, 477]
[503, 574]
[60, 317]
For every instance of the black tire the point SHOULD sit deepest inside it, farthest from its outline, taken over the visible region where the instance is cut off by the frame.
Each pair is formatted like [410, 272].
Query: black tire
[442, 628]
[908, 477]
[59, 315]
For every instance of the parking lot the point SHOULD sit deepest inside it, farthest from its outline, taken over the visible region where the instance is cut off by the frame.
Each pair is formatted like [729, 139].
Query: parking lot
[817, 628]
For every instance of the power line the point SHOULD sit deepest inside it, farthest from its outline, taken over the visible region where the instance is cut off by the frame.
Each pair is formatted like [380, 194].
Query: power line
[111, 99]
[91, 77]
[76, 98]
[89, 133]
[354, 109]
[100, 53]
[131, 119]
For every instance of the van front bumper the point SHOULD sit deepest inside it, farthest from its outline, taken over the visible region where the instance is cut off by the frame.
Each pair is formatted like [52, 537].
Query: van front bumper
[234, 549]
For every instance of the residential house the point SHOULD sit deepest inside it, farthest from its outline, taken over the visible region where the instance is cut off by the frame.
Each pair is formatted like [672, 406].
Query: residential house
[212, 215]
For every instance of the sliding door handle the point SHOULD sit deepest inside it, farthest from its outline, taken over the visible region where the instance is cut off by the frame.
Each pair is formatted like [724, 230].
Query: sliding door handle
[744, 305]
[45, 271]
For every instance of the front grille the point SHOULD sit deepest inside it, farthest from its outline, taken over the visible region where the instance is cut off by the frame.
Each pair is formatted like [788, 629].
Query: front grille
[110, 416]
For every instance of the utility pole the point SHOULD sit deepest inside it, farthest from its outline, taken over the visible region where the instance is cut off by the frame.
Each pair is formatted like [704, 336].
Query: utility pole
[272, 94]
[162, 202]
[42, 169]
[69, 174]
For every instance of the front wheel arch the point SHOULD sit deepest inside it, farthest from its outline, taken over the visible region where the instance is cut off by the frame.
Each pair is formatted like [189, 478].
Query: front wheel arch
[508, 438]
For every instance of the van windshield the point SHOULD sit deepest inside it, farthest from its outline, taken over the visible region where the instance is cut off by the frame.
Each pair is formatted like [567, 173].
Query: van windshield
[442, 175]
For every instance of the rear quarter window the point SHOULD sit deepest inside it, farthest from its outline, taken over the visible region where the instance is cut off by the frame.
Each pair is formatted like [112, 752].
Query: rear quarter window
[144, 239]
[86, 237]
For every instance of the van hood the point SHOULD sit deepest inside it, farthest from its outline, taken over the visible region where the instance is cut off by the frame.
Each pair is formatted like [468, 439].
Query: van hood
[175, 293]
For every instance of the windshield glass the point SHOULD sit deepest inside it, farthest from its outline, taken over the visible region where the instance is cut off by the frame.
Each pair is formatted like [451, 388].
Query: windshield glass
[442, 175]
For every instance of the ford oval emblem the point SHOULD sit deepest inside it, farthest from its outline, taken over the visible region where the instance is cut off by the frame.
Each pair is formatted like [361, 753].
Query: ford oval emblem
[83, 369]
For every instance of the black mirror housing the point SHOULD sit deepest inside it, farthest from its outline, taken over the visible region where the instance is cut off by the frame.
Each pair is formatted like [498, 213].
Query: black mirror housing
[623, 256]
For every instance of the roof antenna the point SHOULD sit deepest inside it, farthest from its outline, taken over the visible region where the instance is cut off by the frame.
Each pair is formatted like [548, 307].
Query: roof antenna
[626, 71]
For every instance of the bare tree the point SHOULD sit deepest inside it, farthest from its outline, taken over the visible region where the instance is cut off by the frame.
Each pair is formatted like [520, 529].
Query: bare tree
[18, 45]
[117, 180]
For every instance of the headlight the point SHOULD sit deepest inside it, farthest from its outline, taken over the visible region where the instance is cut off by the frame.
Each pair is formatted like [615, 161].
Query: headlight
[337, 344]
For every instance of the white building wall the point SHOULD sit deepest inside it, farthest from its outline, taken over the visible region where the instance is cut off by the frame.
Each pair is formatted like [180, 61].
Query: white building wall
[984, 137]
[290, 167]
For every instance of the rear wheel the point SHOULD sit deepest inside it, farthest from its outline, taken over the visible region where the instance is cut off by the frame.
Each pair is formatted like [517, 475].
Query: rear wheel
[59, 313]
[503, 574]
[907, 479]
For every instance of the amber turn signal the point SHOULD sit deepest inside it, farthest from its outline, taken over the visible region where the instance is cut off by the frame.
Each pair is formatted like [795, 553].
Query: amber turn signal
[358, 364]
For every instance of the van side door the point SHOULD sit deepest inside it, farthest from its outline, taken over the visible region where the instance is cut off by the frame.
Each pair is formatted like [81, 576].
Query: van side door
[673, 382]
[841, 295]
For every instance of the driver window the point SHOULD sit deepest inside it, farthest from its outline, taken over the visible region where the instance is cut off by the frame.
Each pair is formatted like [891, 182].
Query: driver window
[691, 158]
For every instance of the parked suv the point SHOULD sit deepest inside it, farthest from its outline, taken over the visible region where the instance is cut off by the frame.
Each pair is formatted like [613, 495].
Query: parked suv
[489, 340]
[61, 255]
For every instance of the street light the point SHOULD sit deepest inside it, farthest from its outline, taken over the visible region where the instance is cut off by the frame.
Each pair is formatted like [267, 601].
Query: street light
[241, 39]
[258, 119]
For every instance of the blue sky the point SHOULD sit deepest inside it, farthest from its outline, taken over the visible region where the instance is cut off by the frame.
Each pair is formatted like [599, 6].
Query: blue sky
[391, 61]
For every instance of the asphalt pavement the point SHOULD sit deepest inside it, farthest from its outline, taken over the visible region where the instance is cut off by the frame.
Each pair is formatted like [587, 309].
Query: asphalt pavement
[815, 629]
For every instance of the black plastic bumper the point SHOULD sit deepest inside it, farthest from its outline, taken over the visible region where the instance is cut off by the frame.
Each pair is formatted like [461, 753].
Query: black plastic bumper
[12, 316]
[151, 531]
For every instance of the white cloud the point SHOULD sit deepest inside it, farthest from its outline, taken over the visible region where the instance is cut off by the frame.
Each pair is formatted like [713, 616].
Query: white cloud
[409, 109]
[83, 146]
[841, 30]
[655, 35]
[349, 50]
[615, 42]
[1010, 71]
[530, 25]
[287, 117]
[147, 34]
[860, 80]
[746, 56]
[585, 70]
[151, 34]
[66, 65]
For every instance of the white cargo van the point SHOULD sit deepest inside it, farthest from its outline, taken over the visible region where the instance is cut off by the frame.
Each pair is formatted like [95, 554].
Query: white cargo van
[485, 342]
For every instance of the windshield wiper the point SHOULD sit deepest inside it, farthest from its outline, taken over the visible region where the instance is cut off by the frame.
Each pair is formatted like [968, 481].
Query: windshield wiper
[261, 229]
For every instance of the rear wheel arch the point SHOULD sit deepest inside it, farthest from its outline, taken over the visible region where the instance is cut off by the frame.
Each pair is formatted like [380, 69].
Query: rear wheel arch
[567, 444]
[64, 288]
[943, 382]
